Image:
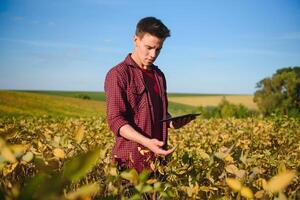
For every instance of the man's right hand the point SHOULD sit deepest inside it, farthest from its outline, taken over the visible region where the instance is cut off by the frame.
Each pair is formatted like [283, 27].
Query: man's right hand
[155, 146]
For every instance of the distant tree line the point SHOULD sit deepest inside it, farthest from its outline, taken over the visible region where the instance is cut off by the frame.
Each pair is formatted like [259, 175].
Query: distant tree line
[280, 94]
[277, 95]
[226, 109]
[83, 96]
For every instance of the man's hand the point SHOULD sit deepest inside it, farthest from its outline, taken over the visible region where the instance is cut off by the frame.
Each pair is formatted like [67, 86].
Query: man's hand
[155, 146]
[128, 132]
[178, 123]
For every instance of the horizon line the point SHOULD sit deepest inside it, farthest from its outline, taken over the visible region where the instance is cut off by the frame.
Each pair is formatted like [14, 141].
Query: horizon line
[101, 91]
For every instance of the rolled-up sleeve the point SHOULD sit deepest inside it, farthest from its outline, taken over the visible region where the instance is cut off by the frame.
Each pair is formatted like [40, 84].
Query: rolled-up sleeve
[116, 100]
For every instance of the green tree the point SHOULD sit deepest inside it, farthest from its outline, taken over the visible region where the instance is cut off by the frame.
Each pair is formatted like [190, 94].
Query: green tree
[280, 93]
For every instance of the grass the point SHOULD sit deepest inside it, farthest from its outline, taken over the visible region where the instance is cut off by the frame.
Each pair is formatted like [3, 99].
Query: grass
[99, 96]
[33, 104]
[178, 109]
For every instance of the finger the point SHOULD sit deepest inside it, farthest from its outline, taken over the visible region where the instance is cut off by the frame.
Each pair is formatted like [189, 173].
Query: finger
[167, 152]
[171, 150]
[175, 123]
[171, 124]
[159, 143]
[162, 152]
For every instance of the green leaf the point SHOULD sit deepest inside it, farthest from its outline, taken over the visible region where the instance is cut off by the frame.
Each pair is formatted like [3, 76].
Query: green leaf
[139, 187]
[41, 166]
[28, 157]
[243, 157]
[79, 166]
[131, 175]
[135, 197]
[185, 158]
[281, 168]
[147, 188]
[220, 155]
[204, 155]
[142, 188]
[43, 186]
[157, 186]
[144, 175]
[84, 191]
[30, 188]
[164, 194]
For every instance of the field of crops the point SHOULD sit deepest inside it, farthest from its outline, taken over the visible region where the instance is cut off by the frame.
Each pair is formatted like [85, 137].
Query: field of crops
[63, 104]
[214, 100]
[14, 103]
[68, 158]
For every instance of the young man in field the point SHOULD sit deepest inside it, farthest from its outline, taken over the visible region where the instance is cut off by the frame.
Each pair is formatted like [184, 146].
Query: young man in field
[136, 100]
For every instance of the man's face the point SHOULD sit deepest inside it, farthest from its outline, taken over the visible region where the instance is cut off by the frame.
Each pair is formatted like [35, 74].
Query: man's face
[147, 49]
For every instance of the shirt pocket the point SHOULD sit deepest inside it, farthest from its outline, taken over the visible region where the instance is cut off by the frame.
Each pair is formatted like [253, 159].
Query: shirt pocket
[137, 96]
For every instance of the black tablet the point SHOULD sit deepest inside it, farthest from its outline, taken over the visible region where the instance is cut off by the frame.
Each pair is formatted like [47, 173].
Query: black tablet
[180, 117]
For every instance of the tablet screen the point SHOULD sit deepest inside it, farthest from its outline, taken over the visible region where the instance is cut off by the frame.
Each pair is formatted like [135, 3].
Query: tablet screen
[180, 116]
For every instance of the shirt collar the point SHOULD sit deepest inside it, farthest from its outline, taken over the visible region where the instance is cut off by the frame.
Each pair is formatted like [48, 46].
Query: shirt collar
[130, 62]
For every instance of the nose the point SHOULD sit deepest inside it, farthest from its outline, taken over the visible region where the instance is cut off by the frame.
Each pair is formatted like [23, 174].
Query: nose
[154, 53]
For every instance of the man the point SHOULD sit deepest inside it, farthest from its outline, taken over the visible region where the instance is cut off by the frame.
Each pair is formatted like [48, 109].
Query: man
[136, 100]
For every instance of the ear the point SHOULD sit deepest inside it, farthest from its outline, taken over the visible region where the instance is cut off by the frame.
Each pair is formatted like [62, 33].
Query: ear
[136, 40]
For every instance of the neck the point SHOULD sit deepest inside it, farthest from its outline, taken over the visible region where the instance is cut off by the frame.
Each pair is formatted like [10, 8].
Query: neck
[138, 62]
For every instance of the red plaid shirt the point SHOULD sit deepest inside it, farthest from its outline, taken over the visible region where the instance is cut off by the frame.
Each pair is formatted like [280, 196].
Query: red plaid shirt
[129, 102]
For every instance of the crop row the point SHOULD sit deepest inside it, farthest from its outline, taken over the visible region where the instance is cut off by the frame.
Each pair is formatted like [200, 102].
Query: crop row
[215, 159]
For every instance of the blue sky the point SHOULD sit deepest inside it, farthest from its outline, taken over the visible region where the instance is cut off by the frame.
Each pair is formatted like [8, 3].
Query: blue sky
[215, 46]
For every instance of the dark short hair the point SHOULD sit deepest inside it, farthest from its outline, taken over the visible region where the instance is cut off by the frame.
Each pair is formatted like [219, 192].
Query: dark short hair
[152, 26]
